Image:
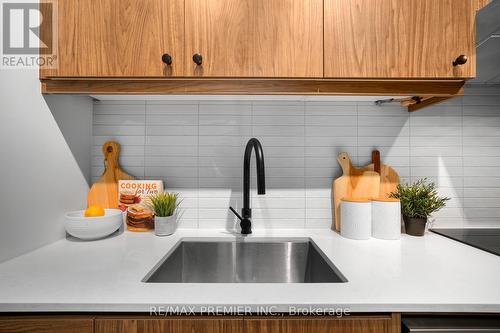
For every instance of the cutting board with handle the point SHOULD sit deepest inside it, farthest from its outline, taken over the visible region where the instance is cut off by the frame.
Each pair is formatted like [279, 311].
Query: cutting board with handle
[389, 178]
[353, 184]
[104, 192]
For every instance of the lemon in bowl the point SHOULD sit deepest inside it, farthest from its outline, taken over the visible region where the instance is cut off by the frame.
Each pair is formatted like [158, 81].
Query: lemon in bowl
[93, 223]
[94, 211]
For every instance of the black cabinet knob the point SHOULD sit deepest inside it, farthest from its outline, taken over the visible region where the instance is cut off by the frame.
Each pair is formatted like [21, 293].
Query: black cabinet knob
[462, 59]
[167, 58]
[198, 59]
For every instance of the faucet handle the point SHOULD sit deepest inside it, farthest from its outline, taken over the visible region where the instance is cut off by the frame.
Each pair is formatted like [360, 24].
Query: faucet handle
[245, 224]
[236, 213]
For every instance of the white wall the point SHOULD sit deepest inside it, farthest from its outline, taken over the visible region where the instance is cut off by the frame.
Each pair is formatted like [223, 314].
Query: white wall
[196, 147]
[40, 179]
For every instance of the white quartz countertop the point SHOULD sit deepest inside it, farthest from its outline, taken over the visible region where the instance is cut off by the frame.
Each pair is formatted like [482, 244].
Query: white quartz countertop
[414, 274]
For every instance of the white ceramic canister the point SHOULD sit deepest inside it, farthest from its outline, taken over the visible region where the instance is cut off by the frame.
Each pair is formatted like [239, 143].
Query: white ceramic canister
[356, 218]
[386, 218]
[165, 226]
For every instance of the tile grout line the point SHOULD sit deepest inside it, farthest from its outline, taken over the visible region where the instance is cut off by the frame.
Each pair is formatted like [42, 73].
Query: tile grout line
[462, 159]
[357, 133]
[145, 138]
[198, 166]
[252, 135]
[304, 173]
[410, 125]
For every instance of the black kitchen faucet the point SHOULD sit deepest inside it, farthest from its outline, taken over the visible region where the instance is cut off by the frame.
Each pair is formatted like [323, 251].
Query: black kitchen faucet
[246, 212]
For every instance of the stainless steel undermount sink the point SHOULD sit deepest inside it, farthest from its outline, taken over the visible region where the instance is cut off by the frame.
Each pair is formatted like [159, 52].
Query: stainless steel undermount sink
[245, 261]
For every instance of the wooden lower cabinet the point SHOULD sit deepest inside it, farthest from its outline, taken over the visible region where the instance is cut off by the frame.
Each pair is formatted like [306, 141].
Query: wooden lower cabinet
[178, 325]
[348, 324]
[200, 324]
[46, 324]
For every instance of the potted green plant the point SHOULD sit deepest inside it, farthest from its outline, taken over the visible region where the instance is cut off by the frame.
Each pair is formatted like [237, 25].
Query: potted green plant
[418, 201]
[164, 205]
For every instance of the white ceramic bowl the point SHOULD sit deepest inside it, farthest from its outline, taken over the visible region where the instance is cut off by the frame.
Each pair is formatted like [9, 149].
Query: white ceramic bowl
[89, 228]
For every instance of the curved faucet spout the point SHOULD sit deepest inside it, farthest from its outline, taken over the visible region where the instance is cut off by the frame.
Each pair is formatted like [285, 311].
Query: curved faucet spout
[246, 213]
[254, 144]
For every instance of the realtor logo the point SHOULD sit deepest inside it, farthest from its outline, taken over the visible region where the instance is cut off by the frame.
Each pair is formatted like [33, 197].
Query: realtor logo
[29, 34]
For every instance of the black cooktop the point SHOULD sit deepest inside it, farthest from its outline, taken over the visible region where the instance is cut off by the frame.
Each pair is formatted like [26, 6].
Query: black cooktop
[484, 239]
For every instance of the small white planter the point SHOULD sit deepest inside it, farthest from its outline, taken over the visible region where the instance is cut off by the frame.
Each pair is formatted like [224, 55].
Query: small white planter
[356, 219]
[386, 219]
[165, 226]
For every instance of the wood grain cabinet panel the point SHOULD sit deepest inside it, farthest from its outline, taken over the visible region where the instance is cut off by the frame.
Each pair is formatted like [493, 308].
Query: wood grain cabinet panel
[119, 38]
[255, 38]
[399, 38]
[186, 325]
[53, 324]
[363, 324]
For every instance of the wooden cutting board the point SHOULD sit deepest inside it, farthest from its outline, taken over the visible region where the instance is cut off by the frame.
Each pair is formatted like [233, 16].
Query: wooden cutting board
[104, 192]
[389, 178]
[353, 184]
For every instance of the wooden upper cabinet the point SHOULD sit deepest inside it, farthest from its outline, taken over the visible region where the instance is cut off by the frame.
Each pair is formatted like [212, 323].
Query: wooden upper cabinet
[254, 38]
[409, 39]
[119, 38]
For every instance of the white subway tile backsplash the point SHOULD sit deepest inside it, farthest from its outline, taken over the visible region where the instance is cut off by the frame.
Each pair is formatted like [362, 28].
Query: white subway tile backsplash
[293, 131]
[436, 151]
[370, 109]
[174, 119]
[384, 131]
[479, 192]
[168, 140]
[382, 121]
[233, 141]
[435, 141]
[385, 141]
[332, 131]
[481, 131]
[224, 120]
[436, 131]
[197, 148]
[435, 121]
[477, 151]
[171, 161]
[124, 140]
[115, 108]
[115, 119]
[477, 121]
[420, 161]
[224, 108]
[171, 130]
[481, 141]
[231, 184]
[482, 99]
[483, 111]
[286, 109]
[171, 172]
[332, 120]
[227, 130]
[171, 109]
[152, 150]
[108, 130]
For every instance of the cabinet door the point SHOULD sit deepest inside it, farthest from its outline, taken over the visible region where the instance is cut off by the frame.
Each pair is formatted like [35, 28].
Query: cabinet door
[367, 324]
[187, 325]
[255, 38]
[119, 38]
[399, 38]
[55, 324]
